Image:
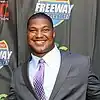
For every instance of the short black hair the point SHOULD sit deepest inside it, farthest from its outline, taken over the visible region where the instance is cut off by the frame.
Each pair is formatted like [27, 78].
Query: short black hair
[39, 15]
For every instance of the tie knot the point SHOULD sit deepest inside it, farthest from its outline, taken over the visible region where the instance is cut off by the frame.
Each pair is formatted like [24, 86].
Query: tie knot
[41, 61]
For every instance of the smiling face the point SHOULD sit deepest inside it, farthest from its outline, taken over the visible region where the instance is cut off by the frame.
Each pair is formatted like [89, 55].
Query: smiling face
[40, 36]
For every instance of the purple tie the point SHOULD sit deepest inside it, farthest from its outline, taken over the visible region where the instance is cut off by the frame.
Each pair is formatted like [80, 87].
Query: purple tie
[39, 79]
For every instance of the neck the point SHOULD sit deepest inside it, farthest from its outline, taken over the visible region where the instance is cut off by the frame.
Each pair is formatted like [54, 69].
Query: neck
[44, 53]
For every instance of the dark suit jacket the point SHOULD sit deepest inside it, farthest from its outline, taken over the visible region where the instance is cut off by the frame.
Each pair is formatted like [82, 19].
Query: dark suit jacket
[5, 75]
[5, 79]
[74, 81]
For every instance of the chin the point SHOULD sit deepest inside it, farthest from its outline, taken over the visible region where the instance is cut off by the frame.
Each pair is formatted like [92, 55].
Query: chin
[40, 51]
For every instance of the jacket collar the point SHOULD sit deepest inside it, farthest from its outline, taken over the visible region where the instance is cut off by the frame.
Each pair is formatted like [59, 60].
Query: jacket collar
[62, 74]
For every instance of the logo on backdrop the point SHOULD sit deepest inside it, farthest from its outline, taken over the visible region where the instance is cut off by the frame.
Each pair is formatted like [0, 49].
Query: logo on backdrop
[5, 54]
[58, 10]
[3, 96]
[4, 13]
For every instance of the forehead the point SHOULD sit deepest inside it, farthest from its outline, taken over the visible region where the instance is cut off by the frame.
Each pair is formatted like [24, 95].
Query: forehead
[39, 21]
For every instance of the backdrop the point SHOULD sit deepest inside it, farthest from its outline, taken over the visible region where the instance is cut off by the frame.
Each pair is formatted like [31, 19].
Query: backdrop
[80, 33]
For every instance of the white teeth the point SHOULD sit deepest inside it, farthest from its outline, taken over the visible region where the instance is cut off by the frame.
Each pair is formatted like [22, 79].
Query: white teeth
[40, 42]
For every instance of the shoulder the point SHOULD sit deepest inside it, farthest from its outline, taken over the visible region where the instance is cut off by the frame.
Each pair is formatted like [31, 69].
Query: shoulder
[18, 71]
[17, 75]
[75, 58]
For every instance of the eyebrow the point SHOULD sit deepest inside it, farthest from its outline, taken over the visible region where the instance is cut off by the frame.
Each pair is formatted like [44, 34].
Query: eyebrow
[46, 27]
[36, 28]
[32, 27]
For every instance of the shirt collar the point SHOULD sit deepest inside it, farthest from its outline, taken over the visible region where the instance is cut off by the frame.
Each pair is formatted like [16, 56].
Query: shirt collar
[50, 58]
[34, 60]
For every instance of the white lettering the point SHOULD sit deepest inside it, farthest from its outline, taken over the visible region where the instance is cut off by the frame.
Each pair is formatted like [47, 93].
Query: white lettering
[37, 7]
[40, 7]
[1, 54]
[58, 8]
[70, 8]
[52, 7]
[9, 54]
[5, 54]
[47, 9]
[65, 9]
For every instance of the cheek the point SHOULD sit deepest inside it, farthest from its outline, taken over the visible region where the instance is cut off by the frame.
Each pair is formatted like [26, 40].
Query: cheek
[29, 36]
[51, 38]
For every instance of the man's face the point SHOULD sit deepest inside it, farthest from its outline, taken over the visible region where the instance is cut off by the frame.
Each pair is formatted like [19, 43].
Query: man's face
[40, 36]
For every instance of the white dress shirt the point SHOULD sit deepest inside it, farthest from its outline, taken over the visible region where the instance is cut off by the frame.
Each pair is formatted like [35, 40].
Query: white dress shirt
[52, 59]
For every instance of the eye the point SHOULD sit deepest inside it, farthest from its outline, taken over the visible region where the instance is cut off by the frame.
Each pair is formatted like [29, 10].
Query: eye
[32, 30]
[45, 30]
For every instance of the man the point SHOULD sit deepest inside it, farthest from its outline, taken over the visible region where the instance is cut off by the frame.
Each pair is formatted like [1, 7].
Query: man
[50, 74]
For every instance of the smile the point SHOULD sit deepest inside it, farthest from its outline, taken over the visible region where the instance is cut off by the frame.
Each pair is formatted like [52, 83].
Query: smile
[39, 42]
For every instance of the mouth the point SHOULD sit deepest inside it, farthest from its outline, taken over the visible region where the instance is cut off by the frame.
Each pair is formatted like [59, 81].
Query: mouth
[40, 42]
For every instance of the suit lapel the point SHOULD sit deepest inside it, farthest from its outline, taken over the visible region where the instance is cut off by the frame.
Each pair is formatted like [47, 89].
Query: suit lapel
[26, 78]
[62, 74]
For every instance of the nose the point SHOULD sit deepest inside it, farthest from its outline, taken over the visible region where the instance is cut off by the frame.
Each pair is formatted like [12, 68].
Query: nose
[39, 34]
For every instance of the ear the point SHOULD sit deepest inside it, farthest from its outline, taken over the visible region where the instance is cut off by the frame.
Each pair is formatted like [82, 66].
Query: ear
[54, 33]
